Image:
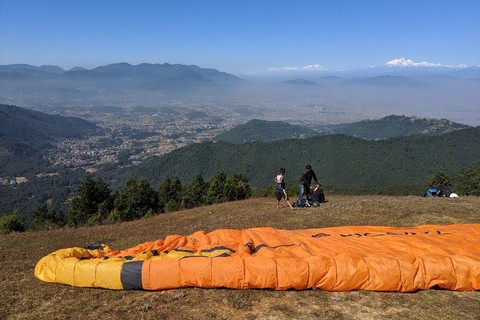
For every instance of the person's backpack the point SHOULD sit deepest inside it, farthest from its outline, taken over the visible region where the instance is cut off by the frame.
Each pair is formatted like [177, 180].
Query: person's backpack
[318, 195]
[444, 191]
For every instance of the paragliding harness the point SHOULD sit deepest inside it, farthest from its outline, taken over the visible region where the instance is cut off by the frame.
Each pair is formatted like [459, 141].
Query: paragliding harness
[302, 203]
[441, 191]
[318, 195]
[313, 199]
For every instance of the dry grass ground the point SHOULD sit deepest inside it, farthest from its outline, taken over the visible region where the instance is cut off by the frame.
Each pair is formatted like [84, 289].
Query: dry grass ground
[22, 296]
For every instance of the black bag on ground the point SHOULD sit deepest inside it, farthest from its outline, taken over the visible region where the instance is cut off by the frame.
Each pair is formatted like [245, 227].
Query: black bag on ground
[318, 195]
[444, 191]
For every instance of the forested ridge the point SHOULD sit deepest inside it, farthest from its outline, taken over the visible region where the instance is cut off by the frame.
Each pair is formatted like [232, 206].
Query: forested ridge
[25, 136]
[338, 159]
[397, 125]
[261, 130]
[31, 125]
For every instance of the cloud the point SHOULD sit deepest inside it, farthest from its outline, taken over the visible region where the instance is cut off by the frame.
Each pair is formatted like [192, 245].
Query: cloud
[312, 67]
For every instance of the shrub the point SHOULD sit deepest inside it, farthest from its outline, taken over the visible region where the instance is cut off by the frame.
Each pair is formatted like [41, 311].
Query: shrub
[11, 223]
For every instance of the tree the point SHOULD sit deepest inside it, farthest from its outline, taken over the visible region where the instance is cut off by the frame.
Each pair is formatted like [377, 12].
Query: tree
[467, 181]
[170, 194]
[135, 201]
[178, 191]
[11, 223]
[165, 193]
[237, 187]
[47, 219]
[216, 189]
[440, 179]
[93, 203]
[196, 191]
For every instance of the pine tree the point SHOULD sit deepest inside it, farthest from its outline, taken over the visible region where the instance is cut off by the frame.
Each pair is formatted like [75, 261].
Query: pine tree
[47, 219]
[216, 189]
[135, 201]
[164, 193]
[170, 194]
[93, 203]
[196, 191]
[237, 187]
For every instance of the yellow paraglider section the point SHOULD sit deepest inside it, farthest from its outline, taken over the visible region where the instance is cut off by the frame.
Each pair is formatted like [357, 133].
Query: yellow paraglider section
[333, 259]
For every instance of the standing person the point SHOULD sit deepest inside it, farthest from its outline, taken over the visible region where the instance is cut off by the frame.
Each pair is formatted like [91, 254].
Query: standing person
[305, 182]
[281, 192]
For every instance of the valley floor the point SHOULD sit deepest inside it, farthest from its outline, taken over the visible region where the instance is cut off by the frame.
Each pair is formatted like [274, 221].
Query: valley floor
[22, 296]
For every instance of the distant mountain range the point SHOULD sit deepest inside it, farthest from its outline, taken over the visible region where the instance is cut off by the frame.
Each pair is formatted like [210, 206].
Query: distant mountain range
[399, 66]
[398, 86]
[115, 82]
[123, 70]
[385, 81]
[337, 159]
[407, 63]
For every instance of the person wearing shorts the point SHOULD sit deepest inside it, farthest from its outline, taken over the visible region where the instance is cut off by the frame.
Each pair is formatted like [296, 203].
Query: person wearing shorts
[281, 192]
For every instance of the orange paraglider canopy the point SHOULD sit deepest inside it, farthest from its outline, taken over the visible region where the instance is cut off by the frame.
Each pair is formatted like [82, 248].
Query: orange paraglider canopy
[334, 259]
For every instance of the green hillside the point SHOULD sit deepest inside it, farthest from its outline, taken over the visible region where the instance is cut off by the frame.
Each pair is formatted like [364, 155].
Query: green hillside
[338, 159]
[261, 130]
[25, 135]
[396, 125]
[29, 125]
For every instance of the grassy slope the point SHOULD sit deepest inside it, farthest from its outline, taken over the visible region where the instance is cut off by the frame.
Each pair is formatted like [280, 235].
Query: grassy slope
[22, 296]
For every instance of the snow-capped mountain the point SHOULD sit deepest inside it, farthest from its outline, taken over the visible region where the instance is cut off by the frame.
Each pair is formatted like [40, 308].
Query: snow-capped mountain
[312, 67]
[407, 63]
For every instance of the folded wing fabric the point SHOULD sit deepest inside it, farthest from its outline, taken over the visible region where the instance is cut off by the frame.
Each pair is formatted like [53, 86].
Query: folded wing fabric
[334, 259]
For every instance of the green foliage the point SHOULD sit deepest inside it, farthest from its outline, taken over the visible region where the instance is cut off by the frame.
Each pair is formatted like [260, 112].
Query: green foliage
[30, 125]
[93, 203]
[467, 181]
[135, 201]
[261, 130]
[338, 160]
[216, 189]
[395, 125]
[46, 219]
[165, 192]
[170, 194]
[195, 194]
[173, 205]
[11, 223]
[237, 187]
[440, 179]
[54, 190]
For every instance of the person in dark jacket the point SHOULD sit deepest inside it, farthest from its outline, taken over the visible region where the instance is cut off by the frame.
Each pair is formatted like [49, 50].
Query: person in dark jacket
[306, 180]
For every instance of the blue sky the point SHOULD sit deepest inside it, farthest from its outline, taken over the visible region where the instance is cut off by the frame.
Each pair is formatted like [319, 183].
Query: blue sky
[239, 36]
